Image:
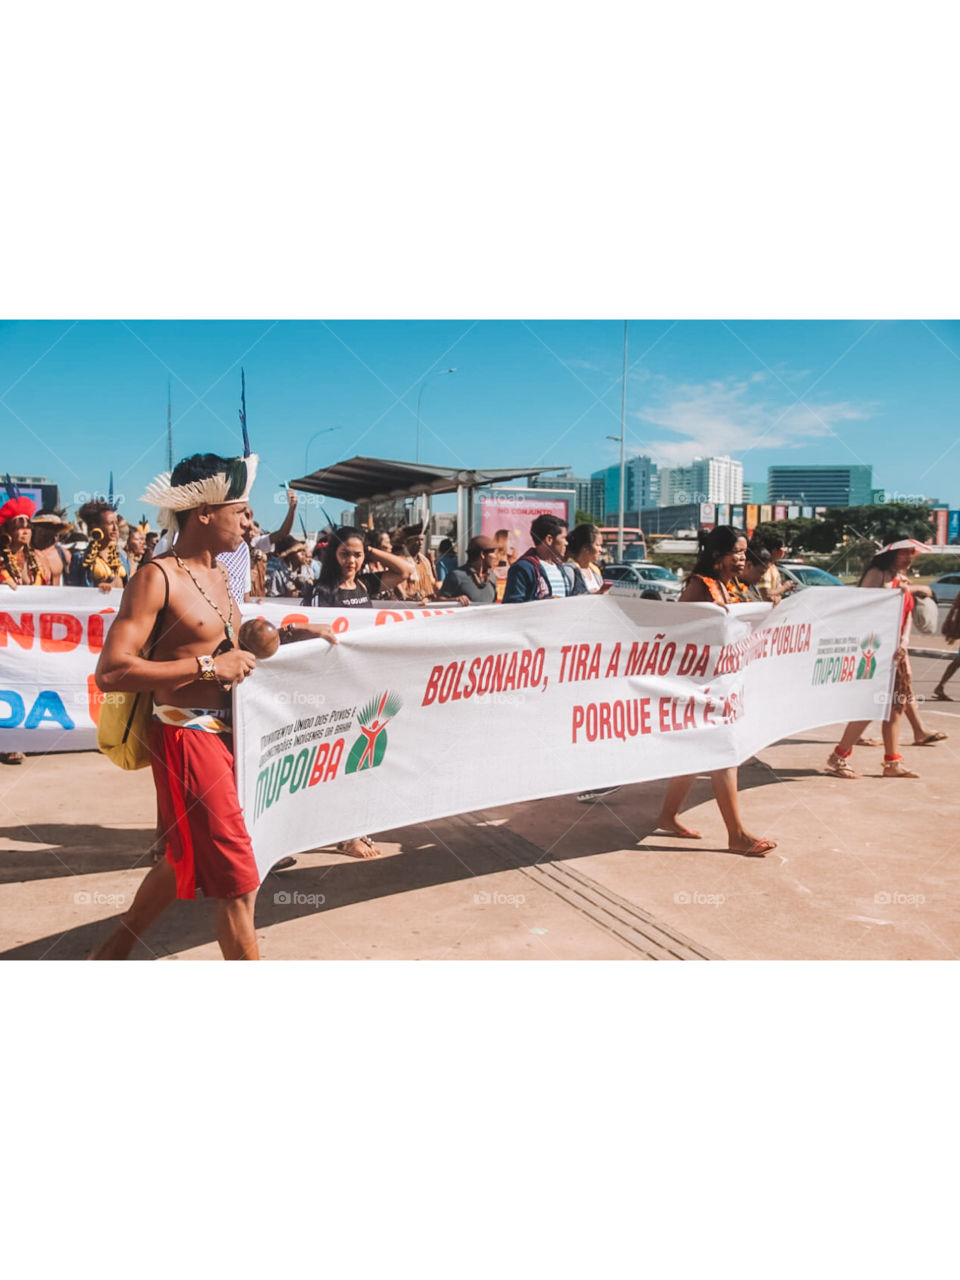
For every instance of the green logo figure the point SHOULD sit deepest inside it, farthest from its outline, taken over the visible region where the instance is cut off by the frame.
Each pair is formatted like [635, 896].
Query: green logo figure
[369, 749]
[868, 660]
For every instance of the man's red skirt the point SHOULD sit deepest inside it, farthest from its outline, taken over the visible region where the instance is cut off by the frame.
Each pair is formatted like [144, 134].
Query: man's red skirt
[206, 839]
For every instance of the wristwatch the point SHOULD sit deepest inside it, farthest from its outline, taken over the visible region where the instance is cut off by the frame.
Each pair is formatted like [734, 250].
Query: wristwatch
[207, 670]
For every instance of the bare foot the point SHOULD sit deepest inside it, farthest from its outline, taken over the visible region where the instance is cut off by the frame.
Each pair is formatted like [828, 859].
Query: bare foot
[751, 846]
[671, 827]
[359, 847]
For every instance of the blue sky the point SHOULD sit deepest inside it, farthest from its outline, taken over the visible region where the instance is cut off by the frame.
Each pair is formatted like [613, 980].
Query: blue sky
[80, 399]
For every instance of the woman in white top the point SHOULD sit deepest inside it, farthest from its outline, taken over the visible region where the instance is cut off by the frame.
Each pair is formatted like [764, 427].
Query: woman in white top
[584, 548]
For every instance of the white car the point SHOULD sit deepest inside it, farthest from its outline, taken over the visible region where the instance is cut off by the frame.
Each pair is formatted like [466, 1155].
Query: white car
[945, 588]
[641, 578]
[808, 575]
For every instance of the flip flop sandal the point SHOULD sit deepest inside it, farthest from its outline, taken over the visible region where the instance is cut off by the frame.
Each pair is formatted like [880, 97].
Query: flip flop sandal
[940, 697]
[868, 742]
[342, 846]
[678, 833]
[757, 849]
[591, 797]
[283, 865]
[930, 739]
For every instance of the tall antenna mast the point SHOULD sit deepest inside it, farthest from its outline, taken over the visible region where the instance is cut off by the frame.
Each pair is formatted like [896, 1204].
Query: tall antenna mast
[169, 431]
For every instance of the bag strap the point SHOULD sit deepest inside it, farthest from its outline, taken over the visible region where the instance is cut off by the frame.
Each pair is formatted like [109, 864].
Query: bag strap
[155, 634]
[154, 640]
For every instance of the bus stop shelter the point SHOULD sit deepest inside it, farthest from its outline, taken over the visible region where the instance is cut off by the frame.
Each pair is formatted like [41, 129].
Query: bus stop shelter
[363, 479]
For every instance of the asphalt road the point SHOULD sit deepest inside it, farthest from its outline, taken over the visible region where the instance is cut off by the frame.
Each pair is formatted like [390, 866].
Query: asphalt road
[926, 673]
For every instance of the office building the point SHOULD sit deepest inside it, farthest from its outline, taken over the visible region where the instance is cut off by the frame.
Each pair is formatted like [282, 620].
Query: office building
[676, 519]
[43, 491]
[590, 493]
[755, 491]
[641, 486]
[705, 480]
[676, 485]
[822, 486]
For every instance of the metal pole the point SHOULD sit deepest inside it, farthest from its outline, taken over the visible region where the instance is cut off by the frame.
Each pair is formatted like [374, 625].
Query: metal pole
[462, 536]
[324, 431]
[420, 398]
[623, 443]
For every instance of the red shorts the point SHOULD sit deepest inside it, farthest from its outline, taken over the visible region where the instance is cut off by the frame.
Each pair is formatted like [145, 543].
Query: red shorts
[206, 837]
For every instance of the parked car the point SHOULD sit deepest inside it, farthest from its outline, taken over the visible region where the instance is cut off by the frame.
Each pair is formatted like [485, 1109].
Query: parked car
[642, 578]
[808, 575]
[945, 588]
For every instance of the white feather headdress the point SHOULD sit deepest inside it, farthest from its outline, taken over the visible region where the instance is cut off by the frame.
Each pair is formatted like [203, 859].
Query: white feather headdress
[214, 490]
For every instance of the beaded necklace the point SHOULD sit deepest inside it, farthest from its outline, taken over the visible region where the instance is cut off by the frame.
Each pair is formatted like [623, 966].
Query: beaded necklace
[108, 554]
[30, 568]
[227, 622]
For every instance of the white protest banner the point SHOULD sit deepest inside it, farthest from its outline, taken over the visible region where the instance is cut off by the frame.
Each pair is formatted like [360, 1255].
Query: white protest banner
[50, 641]
[408, 724]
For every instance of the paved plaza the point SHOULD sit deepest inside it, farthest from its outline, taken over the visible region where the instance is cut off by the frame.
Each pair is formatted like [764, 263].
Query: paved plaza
[865, 870]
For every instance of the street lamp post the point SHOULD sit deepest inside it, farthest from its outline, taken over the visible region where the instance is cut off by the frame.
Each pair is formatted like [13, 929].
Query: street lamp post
[324, 431]
[436, 374]
[623, 442]
[622, 438]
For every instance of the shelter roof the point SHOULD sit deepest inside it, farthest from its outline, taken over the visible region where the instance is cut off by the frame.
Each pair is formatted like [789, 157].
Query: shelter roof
[378, 479]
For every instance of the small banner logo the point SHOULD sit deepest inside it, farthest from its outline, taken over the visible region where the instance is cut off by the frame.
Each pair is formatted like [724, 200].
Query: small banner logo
[868, 660]
[369, 749]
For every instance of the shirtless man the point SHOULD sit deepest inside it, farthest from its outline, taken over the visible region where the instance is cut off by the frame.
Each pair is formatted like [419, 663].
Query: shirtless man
[54, 558]
[181, 603]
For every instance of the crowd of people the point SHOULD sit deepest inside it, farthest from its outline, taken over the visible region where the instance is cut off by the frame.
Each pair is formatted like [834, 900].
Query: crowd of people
[210, 547]
[101, 549]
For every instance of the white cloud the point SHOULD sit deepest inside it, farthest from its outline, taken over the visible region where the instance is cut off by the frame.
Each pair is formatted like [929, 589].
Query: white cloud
[734, 415]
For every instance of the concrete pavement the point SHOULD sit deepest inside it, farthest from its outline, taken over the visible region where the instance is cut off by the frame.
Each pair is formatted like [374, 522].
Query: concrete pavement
[865, 869]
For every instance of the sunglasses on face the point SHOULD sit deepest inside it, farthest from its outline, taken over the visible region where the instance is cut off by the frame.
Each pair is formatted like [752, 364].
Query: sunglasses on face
[20, 522]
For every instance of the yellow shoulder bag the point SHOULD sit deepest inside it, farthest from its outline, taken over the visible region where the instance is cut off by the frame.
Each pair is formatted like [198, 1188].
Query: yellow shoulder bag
[124, 722]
